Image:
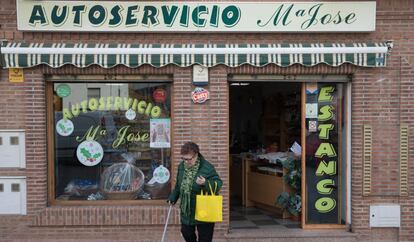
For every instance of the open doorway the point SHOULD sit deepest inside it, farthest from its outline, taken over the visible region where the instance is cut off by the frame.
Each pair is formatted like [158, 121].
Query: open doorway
[265, 175]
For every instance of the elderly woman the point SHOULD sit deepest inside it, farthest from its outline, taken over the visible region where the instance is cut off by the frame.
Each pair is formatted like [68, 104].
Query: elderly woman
[194, 173]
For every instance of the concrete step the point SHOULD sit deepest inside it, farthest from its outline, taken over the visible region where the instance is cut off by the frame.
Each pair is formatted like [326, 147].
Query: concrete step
[290, 235]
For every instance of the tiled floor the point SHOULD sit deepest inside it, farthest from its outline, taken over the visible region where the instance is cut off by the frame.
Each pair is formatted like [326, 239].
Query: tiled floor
[255, 218]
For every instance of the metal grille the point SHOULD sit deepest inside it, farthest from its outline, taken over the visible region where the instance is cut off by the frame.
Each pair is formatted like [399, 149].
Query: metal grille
[367, 160]
[404, 160]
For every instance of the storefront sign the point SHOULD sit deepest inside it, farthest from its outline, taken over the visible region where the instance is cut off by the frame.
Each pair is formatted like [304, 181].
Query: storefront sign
[200, 95]
[16, 75]
[200, 75]
[133, 16]
[322, 156]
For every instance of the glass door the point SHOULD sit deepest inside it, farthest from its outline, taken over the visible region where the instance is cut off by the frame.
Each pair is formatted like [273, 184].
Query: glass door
[324, 154]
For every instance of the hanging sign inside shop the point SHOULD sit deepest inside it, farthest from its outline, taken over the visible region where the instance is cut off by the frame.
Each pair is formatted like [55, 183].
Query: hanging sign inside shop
[200, 95]
[89, 153]
[16, 75]
[322, 157]
[64, 127]
[200, 75]
[63, 90]
[133, 16]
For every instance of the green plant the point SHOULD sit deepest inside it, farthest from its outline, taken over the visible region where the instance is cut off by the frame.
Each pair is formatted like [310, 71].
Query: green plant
[291, 202]
[293, 172]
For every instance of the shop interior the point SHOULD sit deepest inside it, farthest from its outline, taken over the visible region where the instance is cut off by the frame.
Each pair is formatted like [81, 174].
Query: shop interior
[265, 175]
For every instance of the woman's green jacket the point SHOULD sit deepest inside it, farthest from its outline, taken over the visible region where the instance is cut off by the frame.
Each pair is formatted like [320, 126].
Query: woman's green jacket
[209, 173]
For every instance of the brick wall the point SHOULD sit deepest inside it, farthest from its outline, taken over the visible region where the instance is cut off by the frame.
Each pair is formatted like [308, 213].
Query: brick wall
[381, 97]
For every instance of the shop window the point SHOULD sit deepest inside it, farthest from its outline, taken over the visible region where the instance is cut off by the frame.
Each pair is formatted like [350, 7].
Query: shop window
[94, 93]
[14, 140]
[15, 187]
[111, 141]
[325, 153]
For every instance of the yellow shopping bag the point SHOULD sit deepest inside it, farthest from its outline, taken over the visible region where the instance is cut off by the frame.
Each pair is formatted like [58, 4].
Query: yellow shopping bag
[209, 208]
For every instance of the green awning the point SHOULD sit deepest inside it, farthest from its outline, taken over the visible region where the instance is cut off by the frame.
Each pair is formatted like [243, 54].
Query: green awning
[25, 55]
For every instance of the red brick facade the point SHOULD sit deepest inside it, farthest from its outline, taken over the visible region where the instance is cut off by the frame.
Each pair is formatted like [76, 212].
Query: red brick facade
[381, 97]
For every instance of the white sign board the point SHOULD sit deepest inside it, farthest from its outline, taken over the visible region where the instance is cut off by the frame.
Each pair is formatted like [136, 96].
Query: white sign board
[136, 16]
[200, 75]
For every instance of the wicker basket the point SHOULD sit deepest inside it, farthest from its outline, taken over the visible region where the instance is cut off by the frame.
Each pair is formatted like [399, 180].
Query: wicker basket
[121, 195]
[132, 182]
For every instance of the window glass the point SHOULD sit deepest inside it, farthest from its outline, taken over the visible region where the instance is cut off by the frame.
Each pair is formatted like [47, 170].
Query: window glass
[325, 152]
[112, 141]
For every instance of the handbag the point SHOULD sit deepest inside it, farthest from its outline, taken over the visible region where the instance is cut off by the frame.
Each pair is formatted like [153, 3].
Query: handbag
[209, 208]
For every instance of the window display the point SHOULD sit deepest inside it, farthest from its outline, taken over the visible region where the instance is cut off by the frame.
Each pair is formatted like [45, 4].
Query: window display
[114, 144]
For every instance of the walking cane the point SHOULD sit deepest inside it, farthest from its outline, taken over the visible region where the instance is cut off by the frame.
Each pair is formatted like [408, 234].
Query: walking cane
[166, 223]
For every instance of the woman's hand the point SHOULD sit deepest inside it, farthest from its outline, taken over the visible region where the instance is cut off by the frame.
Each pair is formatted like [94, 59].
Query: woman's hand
[201, 181]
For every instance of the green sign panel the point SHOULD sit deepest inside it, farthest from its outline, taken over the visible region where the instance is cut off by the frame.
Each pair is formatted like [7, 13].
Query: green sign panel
[63, 90]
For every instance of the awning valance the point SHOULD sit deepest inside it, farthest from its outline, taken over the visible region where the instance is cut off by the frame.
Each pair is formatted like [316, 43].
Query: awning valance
[23, 55]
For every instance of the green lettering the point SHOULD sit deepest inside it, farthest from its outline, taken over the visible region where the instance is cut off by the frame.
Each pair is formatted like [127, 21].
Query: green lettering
[324, 130]
[313, 12]
[169, 15]
[91, 134]
[185, 15]
[325, 149]
[116, 16]
[214, 16]
[97, 15]
[325, 204]
[101, 103]
[108, 103]
[150, 13]
[321, 186]
[75, 109]
[325, 95]
[350, 18]
[77, 10]
[197, 21]
[66, 114]
[38, 15]
[84, 105]
[120, 139]
[326, 168]
[148, 110]
[325, 113]
[230, 16]
[117, 103]
[156, 112]
[141, 107]
[93, 104]
[59, 19]
[131, 18]
[127, 103]
[145, 137]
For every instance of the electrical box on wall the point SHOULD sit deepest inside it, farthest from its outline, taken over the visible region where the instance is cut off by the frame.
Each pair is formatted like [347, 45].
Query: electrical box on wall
[13, 195]
[12, 148]
[385, 215]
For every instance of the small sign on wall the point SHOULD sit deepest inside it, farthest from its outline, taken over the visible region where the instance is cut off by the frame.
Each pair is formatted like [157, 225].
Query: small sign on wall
[200, 75]
[16, 75]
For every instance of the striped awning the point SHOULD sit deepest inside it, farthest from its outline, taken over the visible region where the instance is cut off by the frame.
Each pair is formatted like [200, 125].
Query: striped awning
[25, 55]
